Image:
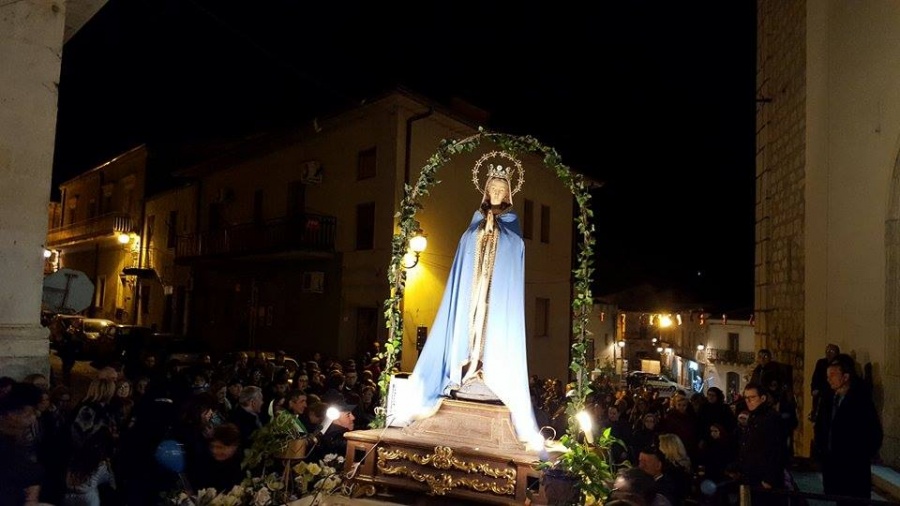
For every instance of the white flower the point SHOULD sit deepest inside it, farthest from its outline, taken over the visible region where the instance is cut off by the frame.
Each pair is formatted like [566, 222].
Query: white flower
[206, 493]
[262, 497]
[313, 469]
[225, 500]
[328, 484]
[330, 457]
[236, 491]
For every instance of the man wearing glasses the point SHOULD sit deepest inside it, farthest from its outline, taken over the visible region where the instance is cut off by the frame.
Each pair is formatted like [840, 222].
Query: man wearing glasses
[760, 456]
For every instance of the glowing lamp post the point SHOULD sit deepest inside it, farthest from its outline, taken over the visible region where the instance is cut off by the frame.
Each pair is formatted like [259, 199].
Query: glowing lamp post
[416, 246]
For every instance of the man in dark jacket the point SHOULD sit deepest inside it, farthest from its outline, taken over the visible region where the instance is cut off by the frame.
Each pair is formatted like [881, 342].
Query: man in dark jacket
[246, 414]
[819, 384]
[760, 455]
[332, 439]
[848, 432]
[669, 482]
[767, 372]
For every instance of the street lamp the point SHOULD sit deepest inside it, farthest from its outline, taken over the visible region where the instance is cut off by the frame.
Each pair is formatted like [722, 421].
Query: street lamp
[665, 321]
[416, 246]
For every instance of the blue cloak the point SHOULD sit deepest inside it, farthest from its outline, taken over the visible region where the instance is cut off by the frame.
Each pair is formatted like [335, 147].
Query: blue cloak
[505, 368]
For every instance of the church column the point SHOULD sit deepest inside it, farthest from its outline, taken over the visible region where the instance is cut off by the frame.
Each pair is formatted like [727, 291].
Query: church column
[31, 43]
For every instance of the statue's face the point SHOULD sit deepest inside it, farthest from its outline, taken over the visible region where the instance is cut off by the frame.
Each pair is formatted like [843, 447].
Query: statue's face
[497, 190]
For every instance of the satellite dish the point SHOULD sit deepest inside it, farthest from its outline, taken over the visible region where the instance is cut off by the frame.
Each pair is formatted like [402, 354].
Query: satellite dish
[67, 291]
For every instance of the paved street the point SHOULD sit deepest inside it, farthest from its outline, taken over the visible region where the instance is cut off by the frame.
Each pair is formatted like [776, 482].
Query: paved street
[809, 480]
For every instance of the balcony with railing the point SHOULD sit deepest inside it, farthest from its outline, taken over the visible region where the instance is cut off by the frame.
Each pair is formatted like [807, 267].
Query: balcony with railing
[731, 356]
[307, 232]
[105, 225]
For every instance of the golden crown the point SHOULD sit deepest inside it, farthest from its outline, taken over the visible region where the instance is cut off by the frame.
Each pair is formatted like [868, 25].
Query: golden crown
[496, 170]
[500, 171]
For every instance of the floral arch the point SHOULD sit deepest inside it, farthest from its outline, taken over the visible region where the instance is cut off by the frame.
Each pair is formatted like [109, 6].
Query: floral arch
[582, 301]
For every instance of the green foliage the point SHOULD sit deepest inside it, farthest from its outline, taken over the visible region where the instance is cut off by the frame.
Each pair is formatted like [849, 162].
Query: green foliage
[593, 465]
[407, 226]
[270, 440]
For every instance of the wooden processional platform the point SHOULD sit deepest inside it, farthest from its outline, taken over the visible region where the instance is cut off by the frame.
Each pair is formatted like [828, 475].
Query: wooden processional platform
[466, 450]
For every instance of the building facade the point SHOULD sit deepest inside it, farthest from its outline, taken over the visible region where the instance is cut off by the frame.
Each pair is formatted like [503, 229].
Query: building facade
[606, 352]
[729, 355]
[96, 229]
[661, 341]
[284, 241]
[168, 215]
[828, 194]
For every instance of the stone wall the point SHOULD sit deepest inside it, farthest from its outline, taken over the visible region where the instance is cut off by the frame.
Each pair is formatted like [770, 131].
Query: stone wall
[780, 185]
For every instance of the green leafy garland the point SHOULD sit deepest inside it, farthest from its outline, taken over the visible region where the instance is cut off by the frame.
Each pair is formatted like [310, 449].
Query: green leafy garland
[408, 226]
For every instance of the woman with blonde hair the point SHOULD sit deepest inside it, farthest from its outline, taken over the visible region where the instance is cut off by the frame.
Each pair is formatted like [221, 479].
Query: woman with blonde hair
[100, 390]
[673, 448]
[677, 463]
[94, 413]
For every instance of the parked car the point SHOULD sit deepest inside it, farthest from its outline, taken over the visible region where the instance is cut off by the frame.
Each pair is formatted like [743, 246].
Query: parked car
[635, 379]
[665, 387]
[129, 339]
[99, 348]
[87, 336]
[182, 352]
[136, 342]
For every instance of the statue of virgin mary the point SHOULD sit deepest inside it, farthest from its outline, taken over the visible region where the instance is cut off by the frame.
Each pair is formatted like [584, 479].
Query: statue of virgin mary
[478, 334]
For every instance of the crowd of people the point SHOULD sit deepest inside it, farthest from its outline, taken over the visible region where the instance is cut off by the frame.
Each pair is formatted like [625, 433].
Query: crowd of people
[679, 441]
[64, 449]
[683, 440]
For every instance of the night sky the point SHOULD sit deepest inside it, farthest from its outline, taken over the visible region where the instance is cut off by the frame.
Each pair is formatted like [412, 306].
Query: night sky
[654, 99]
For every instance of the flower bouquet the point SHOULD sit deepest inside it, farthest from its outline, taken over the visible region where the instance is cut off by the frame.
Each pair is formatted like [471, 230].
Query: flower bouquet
[274, 489]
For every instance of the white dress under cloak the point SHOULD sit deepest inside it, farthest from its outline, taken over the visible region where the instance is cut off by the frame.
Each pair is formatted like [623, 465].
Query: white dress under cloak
[505, 367]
